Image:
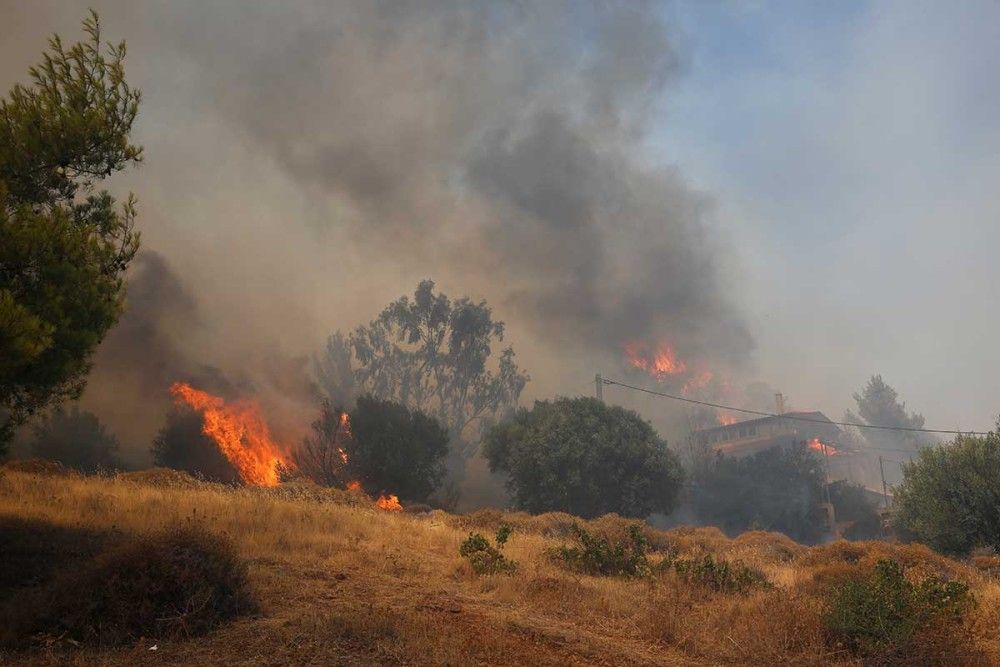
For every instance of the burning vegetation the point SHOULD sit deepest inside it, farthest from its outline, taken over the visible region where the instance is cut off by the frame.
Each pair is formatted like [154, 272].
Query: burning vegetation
[239, 431]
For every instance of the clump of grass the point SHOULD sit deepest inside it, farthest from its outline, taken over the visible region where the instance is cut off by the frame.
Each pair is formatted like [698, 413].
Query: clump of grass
[179, 583]
[486, 558]
[600, 556]
[884, 616]
[719, 575]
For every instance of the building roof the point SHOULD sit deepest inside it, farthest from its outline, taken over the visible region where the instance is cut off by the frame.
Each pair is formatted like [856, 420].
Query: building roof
[809, 417]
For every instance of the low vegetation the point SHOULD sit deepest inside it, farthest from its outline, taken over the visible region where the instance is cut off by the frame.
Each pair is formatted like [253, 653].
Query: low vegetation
[342, 583]
[181, 582]
[887, 617]
[603, 556]
[487, 558]
[719, 575]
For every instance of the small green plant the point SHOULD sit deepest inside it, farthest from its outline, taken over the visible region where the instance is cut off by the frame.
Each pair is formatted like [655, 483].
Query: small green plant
[718, 575]
[600, 556]
[486, 558]
[882, 615]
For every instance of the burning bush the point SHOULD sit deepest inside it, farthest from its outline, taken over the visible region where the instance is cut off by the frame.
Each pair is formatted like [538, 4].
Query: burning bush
[383, 446]
[182, 445]
[179, 583]
[584, 457]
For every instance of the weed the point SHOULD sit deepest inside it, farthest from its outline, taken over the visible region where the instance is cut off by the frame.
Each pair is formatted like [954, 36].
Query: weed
[486, 558]
[597, 555]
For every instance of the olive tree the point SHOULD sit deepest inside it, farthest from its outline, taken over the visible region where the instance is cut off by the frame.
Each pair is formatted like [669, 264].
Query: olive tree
[950, 495]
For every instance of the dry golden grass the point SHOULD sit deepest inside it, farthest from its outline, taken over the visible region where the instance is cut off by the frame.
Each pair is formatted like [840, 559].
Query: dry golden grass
[341, 583]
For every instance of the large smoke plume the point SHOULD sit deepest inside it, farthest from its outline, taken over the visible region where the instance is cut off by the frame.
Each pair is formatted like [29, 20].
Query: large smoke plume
[309, 162]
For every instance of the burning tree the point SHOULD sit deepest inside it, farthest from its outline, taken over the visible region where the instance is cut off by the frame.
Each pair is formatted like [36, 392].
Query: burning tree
[381, 446]
[64, 248]
[430, 354]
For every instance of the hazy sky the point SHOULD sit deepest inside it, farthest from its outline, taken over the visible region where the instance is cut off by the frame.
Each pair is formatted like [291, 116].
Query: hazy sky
[854, 150]
[799, 192]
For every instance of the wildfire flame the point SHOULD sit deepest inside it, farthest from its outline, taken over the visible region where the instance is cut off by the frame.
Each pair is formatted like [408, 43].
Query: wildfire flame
[239, 431]
[823, 448]
[388, 503]
[696, 382]
[354, 486]
[659, 362]
[727, 420]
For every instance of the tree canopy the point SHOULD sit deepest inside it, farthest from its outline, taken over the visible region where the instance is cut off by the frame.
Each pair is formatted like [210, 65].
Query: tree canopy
[77, 439]
[431, 354]
[779, 489]
[950, 495]
[384, 445]
[879, 404]
[584, 457]
[65, 245]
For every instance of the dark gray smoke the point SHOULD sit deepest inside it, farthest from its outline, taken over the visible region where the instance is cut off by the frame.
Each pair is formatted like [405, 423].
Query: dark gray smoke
[309, 162]
[517, 127]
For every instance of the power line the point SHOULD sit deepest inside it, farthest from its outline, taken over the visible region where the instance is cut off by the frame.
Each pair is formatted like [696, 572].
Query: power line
[790, 416]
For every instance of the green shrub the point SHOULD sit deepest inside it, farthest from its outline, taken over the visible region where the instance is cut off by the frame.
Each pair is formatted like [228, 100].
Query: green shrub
[600, 556]
[719, 575]
[179, 583]
[883, 615]
[486, 558]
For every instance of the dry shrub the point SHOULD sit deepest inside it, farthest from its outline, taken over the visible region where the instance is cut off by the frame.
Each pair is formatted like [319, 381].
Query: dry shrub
[988, 564]
[164, 478]
[918, 560]
[769, 547]
[38, 467]
[767, 627]
[31, 552]
[178, 583]
[698, 539]
[309, 491]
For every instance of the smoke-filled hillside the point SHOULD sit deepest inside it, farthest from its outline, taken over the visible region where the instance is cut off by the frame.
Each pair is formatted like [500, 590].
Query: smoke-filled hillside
[306, 165]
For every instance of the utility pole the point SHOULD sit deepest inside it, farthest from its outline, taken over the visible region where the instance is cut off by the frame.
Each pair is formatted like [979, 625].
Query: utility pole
[599, 387]
[885, 492]
[831, 514]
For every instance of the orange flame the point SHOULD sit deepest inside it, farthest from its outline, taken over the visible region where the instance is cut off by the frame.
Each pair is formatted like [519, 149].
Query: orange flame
[354, 486]
[659, 362]
[823, 448]
[696, 382]
[727, 420]
[239, 431]
[388, 503]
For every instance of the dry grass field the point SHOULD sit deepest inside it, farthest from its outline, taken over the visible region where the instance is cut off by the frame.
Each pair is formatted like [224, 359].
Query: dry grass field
[339, 582]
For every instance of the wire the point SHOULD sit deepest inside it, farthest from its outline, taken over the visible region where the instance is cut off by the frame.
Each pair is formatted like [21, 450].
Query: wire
[790, 416]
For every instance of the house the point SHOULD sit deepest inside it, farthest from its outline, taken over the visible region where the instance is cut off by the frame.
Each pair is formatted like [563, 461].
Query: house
[755, 435]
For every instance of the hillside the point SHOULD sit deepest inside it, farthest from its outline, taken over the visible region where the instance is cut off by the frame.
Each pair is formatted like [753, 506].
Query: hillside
[341, 582]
